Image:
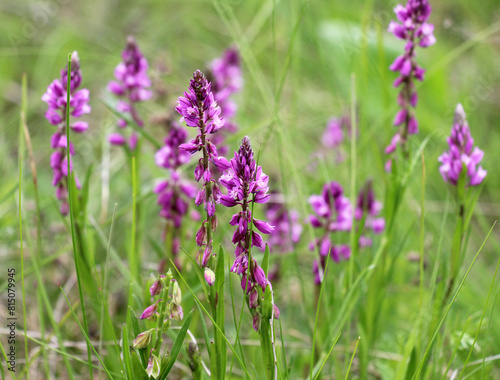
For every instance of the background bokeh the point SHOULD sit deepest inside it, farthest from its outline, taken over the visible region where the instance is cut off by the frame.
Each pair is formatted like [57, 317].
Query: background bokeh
[298, 61]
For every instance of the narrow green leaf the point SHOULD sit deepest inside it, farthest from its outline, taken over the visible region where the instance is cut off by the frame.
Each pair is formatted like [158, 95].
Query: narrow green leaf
[176, 348]
[265, 260]
[211, 319]
[127, 363]
[139, 370]
[220, 312]
[136, 329]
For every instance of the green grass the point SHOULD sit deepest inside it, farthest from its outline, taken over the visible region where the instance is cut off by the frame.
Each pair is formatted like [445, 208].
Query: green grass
[378, 315]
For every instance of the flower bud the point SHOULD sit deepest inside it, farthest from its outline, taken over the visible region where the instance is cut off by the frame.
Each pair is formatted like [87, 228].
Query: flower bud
[176, 292]
[157, 287]
[209, 276]
[153, 368]
[176, 312]
[150, 311]
[143, 339]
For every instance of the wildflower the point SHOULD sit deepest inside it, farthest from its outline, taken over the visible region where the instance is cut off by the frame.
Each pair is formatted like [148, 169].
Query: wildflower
[246, 183]
[367, 209]
[414, 29]
[175, 193]
[154, 366]
[157, 287]
[287, 229]
[462, 153]
[56, 99]
[333, 213]
[150, 311]
[335, 133]
[131, 86]
[209, 276]
[227, 80]
[144, 339]
[199, 110]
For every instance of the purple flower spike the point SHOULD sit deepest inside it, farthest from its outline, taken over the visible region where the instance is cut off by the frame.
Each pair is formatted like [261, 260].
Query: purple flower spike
[333, 214]
[199, 109]
[56, 99]
[369, 209]
[461, 154]
[337, 129]
[131, 86]
[246, 183]
[413, 28]
[174, 194]
[287, 229]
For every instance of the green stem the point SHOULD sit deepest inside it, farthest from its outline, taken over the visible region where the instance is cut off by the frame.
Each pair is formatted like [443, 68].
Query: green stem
[164, 302]
[72, 222]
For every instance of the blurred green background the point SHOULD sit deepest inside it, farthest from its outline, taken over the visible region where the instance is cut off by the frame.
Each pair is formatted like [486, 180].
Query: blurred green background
[298, 59]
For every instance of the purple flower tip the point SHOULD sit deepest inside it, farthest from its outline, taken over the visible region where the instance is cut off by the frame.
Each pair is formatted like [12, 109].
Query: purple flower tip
[461, 154]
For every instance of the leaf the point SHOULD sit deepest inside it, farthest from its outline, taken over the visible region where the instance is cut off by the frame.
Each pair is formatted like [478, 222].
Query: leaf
[219, 313]
[127, 363]
[136, 329]
[139, 371]
[265, 260]
[176, 348]
[267, 306]
[84, 195]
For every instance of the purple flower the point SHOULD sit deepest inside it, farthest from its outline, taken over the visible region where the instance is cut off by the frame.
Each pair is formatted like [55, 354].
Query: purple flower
[150, 311]
[209, 276]
[368, 208]
[337, 129]
[287, 229]
[413, 28]
[174, 194]
[226, 81]
[131, 86]
[199, 110]
[333, 213]
[246, 184]
[56, 99]
[461, 154]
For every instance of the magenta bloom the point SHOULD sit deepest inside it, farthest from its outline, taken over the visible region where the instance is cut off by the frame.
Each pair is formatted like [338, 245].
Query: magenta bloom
[369, 209]
[226, 81]
[333, 214]
[246, 184]
[199, 110]
[131, 86]
[413, 28]
[287, 229]
[462, 153]
[174, 194]
[56, 99]
[337, 129]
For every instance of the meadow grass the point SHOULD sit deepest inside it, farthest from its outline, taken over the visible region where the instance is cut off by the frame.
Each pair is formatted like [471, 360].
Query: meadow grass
[420, 303]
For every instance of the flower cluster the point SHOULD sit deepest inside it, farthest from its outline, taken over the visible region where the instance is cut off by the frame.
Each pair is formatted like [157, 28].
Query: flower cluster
[333, 213]
[132, 87]
[414, 29]
[287, 229]
[199, 109]
[174, 193]
[56, 99]
[227, 80]
[367, 212]
[246, 183]
[334, 134]
[166, 309]
[462, 153]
